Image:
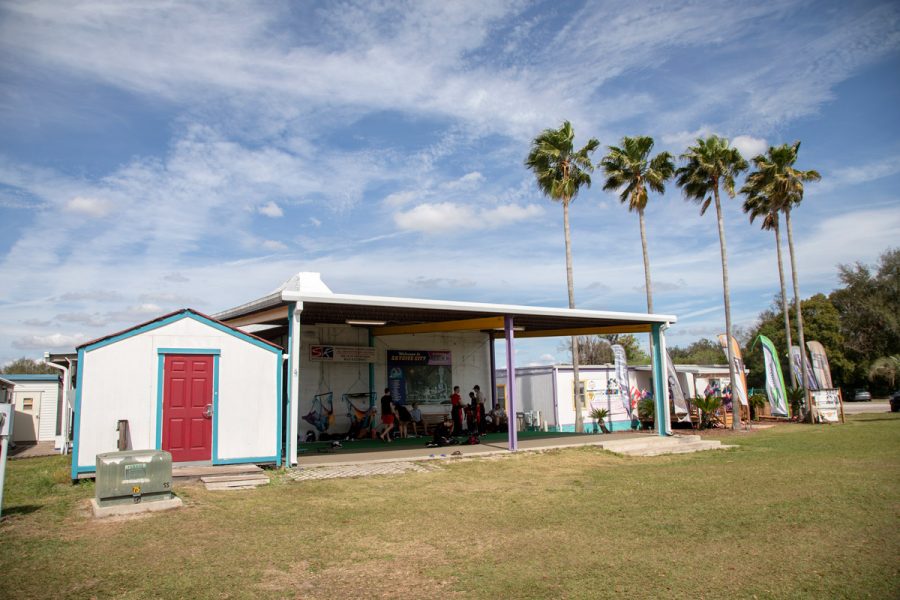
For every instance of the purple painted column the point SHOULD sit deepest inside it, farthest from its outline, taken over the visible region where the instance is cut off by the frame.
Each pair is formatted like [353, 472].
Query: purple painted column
[511, 384]
[493, 373]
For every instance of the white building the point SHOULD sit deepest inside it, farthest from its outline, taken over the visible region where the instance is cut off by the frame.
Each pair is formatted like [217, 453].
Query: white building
[36, 399]
[550, 390]
[185, 383]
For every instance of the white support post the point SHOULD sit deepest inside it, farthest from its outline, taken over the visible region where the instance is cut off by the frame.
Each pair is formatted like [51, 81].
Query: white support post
[293, 412]
[664, 355]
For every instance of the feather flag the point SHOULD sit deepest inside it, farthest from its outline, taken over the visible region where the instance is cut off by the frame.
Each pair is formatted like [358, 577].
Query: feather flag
[774, 378]
[739, 387]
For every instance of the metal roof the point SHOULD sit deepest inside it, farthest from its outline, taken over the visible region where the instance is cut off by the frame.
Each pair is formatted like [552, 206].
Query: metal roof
[329, 308]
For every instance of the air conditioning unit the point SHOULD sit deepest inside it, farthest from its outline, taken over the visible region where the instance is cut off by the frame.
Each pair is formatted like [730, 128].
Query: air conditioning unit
[133, 477]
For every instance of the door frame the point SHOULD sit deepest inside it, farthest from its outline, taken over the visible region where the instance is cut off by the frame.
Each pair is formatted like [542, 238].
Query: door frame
[160, 384]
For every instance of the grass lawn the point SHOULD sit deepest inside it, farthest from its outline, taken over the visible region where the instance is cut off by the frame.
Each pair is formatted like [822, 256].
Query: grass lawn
[795, 511]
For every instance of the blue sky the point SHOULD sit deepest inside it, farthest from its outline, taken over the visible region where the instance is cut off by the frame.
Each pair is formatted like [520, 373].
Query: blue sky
[161, 155]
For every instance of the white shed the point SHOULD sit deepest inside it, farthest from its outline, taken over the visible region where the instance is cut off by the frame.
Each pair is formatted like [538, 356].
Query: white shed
[36, 399]
[185, 383]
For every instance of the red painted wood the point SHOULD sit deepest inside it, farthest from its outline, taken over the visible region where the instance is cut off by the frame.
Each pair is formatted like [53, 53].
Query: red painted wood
[187, 390]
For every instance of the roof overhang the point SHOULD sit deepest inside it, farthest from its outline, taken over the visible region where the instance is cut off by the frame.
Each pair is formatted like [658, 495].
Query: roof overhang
[414, 315]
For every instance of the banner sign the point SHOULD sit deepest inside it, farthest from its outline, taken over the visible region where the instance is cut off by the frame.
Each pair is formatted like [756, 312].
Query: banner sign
[320, 353]
[828, 405]
[739, 387]
[820, 365]
[622, 377]
[675, 390]
[796, 366]
[421, 376]
[774, 378]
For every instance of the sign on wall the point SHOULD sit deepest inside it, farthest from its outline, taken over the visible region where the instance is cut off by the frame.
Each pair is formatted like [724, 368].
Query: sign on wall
[422, 376]
[321, 353]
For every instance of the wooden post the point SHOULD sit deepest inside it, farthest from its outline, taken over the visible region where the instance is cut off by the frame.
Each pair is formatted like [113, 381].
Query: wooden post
[841, 400]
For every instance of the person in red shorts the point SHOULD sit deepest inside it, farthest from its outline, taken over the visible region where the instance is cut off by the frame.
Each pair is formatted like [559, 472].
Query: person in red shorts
[387, 415]
[456, 411]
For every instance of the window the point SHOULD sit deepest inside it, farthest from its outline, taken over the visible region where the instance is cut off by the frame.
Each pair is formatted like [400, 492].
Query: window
[27, 403]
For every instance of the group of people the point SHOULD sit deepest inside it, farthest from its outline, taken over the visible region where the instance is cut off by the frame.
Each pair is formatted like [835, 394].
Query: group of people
[396, 414]
[470, 417]
[464, 419]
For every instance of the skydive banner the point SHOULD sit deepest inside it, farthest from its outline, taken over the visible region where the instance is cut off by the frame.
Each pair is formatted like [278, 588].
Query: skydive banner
[622, 377]
[774, 378]
[421, 376]
[820, 365]
[739, 387]
[678, 399]
[797, 367]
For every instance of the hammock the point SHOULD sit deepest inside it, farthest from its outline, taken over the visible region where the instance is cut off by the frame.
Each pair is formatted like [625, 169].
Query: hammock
[322, 414]
[361, 417]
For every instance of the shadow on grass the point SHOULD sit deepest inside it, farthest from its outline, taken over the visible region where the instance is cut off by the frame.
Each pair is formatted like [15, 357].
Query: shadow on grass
[24, 509]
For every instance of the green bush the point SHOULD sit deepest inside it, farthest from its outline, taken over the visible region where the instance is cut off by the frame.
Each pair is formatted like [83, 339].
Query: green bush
[708, 405]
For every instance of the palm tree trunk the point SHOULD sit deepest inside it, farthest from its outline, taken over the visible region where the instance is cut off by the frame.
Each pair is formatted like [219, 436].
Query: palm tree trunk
[647, 285]
[735, 401]
[790, 236]
[784, 300]
[579, 419]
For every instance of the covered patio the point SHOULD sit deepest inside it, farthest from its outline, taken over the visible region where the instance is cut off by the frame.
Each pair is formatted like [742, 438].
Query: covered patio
[304, 302]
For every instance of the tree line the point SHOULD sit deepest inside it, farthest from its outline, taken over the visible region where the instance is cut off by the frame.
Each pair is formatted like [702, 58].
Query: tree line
[708, 171]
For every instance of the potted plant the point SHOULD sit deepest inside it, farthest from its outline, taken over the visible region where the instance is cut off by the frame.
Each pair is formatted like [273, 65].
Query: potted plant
[708, 405]
[599, 415]
[646, 411]
[757, 402]
[796, 396]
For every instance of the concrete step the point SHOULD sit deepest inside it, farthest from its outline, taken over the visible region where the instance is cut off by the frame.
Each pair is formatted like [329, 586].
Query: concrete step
[195, 472]
[655, 446]
[239, 477]
[242, 484]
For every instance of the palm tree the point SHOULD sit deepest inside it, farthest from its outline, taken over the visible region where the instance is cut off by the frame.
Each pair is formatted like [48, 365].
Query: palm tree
[561, 171]
[756, 205]
[631, 169]
[708, 165]
[776, 178]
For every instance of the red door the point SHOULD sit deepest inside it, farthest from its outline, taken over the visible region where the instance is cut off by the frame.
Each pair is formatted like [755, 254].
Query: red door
[187, 407]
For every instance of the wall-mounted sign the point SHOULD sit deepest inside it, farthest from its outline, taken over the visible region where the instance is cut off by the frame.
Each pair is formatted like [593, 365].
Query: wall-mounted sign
[322, 353]
[422, 376]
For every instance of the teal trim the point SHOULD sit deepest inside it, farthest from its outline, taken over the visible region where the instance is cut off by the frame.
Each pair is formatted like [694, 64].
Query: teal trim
[160, 380]
[160, 368]
[287, 426]
[187, 313]
[279, 369]
[31, 377]
[660, 391]
[215, 403]
[79, 380]
[207, 351]
[589, 426]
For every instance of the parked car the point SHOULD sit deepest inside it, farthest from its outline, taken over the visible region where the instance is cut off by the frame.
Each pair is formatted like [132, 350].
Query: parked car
[862, 396]
[895, 402]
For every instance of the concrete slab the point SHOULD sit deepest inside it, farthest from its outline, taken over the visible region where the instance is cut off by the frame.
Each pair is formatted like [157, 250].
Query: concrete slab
[22, 450]
[120, 510]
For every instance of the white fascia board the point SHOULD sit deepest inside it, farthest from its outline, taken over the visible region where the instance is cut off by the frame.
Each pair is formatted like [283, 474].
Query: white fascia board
[507, 309]
[264, 302]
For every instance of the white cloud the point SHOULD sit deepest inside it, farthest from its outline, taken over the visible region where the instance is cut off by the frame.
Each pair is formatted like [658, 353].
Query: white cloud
[316, 222]
[398, 199]
[274, 245]
[749, 146]
[270, 209]
[93, 207]
[447, 216]
[467, 182]
[52, 341]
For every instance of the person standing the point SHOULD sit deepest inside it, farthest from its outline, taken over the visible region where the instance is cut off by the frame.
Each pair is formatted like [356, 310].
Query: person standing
[387, 415]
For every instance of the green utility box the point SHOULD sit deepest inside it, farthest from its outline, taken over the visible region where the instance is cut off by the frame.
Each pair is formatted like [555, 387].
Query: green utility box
[133, 477]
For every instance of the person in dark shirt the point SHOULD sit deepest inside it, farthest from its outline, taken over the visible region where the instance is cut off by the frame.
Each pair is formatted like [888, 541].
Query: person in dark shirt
[387, 415]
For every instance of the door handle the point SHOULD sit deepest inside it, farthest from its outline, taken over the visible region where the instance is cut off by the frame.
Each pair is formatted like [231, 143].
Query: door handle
[208, 412]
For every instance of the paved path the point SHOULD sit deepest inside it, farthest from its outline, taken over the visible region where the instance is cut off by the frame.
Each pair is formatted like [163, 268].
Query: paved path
[31, 450]
[875, 406]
